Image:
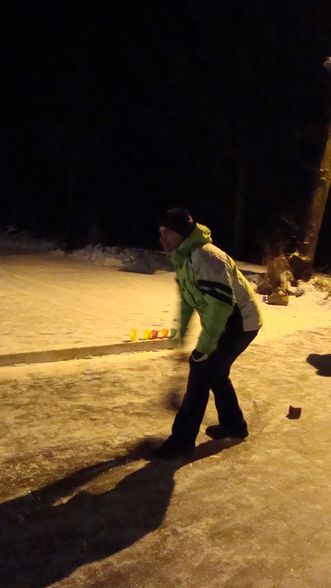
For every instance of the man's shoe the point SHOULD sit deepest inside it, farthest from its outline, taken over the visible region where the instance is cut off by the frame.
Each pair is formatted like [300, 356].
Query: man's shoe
[221, 432]
[172, 449]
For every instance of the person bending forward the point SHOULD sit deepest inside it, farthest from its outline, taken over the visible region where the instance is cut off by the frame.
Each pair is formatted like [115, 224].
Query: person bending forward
[210, 283]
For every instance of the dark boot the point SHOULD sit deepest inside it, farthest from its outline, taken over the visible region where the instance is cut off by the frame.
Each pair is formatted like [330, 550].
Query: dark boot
[222, 432]
[173, 448]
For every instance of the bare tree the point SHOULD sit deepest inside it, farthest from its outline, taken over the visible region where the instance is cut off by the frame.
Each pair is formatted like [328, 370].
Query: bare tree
[302, 261]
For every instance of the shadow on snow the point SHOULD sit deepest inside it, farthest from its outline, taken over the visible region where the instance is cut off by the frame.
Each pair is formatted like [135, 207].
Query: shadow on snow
[47, 534]
[321, 362]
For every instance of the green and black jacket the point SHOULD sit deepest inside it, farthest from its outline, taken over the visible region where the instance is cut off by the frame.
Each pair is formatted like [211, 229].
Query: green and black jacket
[211, 283]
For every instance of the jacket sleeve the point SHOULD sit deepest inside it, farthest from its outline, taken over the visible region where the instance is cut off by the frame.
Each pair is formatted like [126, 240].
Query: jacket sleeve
[214, 279]
[186, 312]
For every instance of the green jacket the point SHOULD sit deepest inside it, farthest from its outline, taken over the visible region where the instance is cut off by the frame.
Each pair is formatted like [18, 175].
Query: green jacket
[211, 283]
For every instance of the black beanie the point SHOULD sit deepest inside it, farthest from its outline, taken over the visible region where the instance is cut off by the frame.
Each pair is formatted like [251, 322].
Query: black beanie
[178, 220]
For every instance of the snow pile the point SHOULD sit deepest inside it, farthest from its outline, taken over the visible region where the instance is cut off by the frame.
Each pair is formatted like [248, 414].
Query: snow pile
[131, 259]
[128, 258]
[13, 240]
[95, 254]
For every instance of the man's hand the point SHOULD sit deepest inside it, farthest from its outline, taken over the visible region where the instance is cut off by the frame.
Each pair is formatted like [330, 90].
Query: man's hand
[198, 357]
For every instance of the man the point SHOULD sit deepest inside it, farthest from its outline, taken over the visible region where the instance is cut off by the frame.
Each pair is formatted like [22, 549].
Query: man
[210, 283]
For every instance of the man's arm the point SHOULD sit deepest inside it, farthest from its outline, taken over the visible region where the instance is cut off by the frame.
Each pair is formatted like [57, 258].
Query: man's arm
[186, 312]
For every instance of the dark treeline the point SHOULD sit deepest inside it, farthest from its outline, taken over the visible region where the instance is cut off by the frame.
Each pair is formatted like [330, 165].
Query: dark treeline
[113, 111]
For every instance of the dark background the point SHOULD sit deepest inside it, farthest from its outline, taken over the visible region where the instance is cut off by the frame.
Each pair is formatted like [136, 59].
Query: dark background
[114, 111]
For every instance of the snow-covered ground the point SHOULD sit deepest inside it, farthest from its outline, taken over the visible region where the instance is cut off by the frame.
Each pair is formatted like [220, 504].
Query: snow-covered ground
[51, 300]
[81, 503]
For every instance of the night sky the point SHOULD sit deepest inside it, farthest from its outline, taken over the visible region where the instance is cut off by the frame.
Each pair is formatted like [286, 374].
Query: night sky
[114, 111]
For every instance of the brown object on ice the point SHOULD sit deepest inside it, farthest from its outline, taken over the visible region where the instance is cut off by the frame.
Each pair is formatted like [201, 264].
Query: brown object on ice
[294, 412]
[279, 299]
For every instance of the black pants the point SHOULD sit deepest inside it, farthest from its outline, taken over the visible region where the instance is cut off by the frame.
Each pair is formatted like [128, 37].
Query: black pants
[214, 374]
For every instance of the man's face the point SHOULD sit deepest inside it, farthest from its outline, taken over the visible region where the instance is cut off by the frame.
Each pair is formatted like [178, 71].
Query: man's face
[169, 239]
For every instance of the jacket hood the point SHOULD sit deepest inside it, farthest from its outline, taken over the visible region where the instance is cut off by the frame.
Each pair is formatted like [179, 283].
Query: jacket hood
[199, 236]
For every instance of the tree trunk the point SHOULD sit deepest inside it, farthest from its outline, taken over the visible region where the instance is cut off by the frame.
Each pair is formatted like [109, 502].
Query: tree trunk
[69, 208]
[318, 203]
[239, 201]
[302, 261]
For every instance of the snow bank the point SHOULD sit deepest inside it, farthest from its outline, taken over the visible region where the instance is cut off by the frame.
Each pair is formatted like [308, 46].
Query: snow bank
[13, 240]
[129, 258]
[133, 259]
